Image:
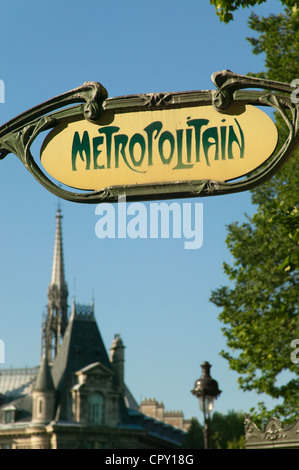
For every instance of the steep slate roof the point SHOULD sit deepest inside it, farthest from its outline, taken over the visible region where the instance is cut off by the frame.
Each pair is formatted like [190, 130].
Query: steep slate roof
[44, 380]
[82, 345]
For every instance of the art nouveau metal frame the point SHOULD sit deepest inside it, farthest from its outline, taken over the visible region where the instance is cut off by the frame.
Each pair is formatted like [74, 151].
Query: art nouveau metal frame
[91, 99]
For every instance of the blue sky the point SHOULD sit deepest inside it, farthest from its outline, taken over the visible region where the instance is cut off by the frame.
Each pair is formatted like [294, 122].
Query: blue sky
[153, 292]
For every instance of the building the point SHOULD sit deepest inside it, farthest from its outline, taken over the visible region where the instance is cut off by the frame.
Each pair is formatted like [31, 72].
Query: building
[155, 409]
[77, 397]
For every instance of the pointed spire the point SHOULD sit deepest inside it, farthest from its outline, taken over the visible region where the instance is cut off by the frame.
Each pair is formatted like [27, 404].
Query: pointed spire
[44, 381]
[57, 277]
[57, 315]
[43, 395]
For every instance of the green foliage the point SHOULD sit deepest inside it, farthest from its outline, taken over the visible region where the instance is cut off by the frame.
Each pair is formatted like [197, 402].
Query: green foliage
[260, 310]
[224, 8]
[227, 432]
[282, 57]
[194, 436]
[237, 443]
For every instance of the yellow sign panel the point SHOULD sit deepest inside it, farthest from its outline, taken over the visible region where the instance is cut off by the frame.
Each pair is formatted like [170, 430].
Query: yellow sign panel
[159, 146]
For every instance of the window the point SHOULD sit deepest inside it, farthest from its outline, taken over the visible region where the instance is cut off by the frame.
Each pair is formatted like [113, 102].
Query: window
[40, 405]
[96, 405]
[9, 416]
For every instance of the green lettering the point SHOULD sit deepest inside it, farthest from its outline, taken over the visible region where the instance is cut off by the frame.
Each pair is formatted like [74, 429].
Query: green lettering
[233, 138]
[137, 139]
[189, 142]
[223, 131]
[180, 164]
[121, 140]
[209, 138]
[197, 124]
[80, 146]
[166, 136]
[96, 141]
[108, 131]
[150, 129]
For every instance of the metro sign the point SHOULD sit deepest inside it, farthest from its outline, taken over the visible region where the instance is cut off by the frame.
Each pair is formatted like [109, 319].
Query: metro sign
[156, 145]
[159, 146]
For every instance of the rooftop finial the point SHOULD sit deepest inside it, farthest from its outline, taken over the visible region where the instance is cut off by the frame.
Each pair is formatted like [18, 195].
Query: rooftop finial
[58, 265]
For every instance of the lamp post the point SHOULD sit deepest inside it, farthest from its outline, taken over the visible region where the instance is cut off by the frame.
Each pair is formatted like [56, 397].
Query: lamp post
[206, 390]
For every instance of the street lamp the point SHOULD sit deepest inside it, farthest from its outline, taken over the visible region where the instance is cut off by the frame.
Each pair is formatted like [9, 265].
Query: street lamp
[206, 390]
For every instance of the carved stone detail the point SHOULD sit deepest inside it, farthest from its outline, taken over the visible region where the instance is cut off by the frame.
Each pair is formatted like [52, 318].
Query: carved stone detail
[274, 433]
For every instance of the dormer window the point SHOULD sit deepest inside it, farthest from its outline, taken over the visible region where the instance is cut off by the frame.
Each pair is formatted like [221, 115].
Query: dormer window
[96, 409]
[9, 415]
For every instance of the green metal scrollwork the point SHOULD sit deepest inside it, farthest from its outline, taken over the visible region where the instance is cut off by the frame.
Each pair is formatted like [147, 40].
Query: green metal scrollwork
[91, 99]
[18, 135]
[230, 87]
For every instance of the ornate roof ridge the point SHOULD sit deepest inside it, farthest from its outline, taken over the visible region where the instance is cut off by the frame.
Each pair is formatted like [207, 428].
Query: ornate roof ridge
[82, 311]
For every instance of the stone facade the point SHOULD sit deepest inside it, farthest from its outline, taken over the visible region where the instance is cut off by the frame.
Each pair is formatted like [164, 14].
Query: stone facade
[155, 409]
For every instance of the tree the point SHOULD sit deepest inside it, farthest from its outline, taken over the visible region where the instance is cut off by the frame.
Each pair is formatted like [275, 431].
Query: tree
[227, 432]
[224, 8]
[260, 310]
[279, 39]
[194, 436]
